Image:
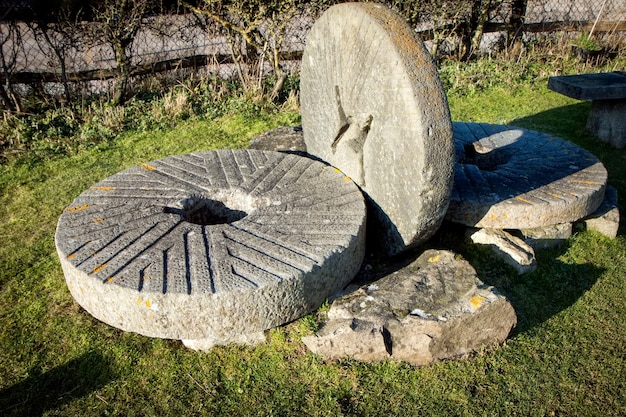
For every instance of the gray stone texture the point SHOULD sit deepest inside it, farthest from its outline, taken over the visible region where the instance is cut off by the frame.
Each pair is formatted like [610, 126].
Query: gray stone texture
[605, 219]
[435, 308]
[607, 120]
[513, 178]
[373, 106]
[512, 250]
[547, 236]
[600, 86]
[607, 91]
[213, 246]
[281, 139]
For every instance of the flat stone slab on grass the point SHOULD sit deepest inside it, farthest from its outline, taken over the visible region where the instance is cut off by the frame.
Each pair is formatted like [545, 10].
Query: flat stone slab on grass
[212, 247]
[373, 106]
[435, 308]
[513, 178]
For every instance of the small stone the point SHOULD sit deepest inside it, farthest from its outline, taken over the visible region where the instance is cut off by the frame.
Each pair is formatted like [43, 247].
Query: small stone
[605, 219]
[238, 339]
[281, 139]
[512, 250]
[547, 237]
[435, 308]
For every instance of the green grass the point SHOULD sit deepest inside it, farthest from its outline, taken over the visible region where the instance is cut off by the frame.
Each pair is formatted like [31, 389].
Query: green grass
[566, 357]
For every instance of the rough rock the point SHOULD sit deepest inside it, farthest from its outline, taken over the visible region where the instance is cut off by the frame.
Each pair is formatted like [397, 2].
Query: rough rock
[512, 250]
[212, 247]
[373, 106]
[435, 308]
[606, 218]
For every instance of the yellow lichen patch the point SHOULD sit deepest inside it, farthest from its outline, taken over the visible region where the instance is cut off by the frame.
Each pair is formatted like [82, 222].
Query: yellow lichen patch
[99, 268]
[586, 182]
[347, 178]
[139, 301]
[98, 220]
[71, 255]
[148, 304]
[434, 258]
[76, 208]
[337, 170]
[554, 195]
[148, 167]
[523, 200]
[103, 188]
[477, 300]
[110, 279]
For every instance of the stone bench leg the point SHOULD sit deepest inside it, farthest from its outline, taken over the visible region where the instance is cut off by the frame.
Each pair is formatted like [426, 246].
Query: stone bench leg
[607, 120]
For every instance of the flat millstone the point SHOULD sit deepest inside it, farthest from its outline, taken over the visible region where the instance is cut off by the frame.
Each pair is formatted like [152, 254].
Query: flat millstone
[212, 245]
[373, 106]
[513, 178]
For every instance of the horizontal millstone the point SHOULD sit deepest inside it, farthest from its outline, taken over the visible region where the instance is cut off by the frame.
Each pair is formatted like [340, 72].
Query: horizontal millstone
[512, 178]
[212, 245]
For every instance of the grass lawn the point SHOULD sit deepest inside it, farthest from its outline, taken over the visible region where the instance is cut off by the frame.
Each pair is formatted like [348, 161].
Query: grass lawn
[566, 357]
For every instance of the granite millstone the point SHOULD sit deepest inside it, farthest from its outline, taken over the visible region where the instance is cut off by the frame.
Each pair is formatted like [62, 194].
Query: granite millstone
[513, 178]
[373, 106]
[213, 245]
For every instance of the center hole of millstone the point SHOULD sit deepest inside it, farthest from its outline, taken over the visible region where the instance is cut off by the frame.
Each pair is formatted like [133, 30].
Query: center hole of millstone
[223, 207]
[485, 159]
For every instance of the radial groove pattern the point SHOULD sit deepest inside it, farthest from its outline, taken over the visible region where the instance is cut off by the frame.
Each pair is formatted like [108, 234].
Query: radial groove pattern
[512, 178]
[132, 260]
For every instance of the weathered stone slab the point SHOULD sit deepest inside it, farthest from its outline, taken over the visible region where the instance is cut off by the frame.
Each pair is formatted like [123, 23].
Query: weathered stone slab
[512, 250]
[281, 139]
[605, 219]
[513, 178]
[212, 247]
[373, 106]
[607, 91]
[548, 236]
[601, 86]
[435, 308]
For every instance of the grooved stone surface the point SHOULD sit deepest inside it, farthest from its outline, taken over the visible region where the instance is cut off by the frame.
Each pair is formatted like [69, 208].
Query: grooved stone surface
[212, 245]
[513, 178]
[373, 106]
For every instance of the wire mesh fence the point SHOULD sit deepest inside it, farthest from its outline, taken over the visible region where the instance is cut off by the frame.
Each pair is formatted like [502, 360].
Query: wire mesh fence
[69, 58]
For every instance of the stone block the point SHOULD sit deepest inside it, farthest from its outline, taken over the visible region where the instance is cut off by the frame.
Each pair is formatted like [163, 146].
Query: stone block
[435, 308]
[605, 219]
[512, 250]
[548, 236]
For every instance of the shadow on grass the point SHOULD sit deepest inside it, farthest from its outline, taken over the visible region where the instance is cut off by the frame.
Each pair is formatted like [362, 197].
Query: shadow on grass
[41, 392]
[536, 296]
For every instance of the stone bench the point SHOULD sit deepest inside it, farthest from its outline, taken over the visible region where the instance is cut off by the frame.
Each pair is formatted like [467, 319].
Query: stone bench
[607, 92]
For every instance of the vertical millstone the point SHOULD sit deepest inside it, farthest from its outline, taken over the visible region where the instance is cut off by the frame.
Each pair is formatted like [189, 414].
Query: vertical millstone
[374, 107]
